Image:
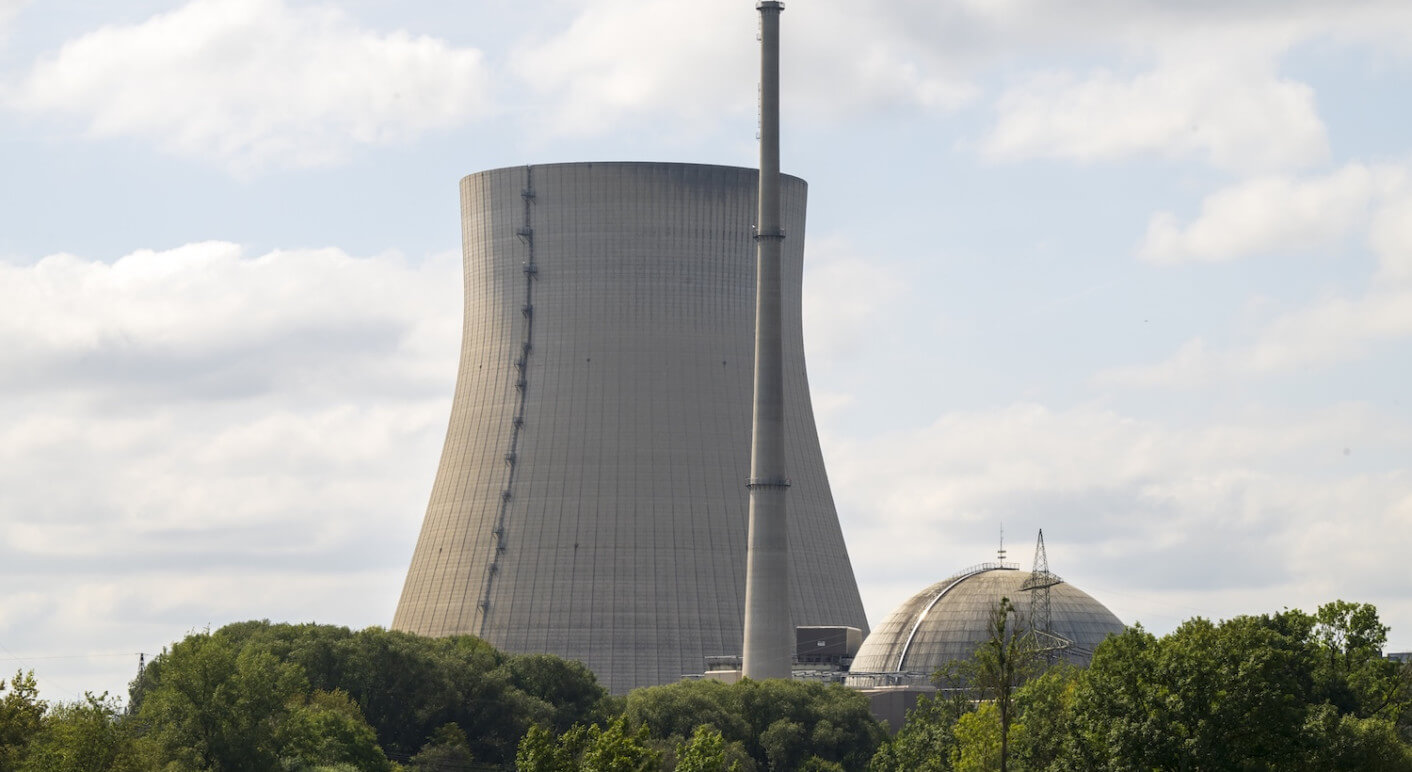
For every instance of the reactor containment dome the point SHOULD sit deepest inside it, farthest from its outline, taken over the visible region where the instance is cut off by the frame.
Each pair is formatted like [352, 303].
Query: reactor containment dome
[949, 620]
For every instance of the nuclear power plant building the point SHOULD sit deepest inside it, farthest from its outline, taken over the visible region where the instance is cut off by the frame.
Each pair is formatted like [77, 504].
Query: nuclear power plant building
[591, 500]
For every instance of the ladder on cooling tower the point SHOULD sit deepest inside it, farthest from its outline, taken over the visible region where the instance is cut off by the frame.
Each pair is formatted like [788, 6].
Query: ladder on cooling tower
[517, 423]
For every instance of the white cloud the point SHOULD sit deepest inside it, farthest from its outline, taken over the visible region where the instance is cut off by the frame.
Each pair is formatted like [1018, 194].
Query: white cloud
[845, 298]
[1284, 214]
[254, 84]
[1182, 80]
[699, 62]
[1272, 214]
[897, 58]
[83, 631]
[1219, 518]
[1391, 239]
[1191, 366]
[1333, 330]
[204, 297]
[1214, 91]
[618, 58]
[260, 83]
[1234, 119]
[197, 436]
[8, 10]
[1327, 332]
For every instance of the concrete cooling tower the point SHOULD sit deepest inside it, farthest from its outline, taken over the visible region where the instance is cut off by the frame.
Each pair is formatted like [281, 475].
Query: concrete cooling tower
[591, 500]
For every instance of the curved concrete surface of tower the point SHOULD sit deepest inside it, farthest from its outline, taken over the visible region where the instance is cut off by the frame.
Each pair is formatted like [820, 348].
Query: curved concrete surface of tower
[591, 498]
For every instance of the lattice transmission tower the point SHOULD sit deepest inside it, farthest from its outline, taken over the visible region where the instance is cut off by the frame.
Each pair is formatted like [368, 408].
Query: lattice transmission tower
[1037, 585]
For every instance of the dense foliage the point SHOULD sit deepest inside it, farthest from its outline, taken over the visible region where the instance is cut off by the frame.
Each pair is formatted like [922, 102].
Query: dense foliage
[1288, 691]
[237, 698]
[257, 696]
[770, 724]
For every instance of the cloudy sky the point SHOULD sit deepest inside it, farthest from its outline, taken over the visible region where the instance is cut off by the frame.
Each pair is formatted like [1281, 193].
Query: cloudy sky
[1136, 273]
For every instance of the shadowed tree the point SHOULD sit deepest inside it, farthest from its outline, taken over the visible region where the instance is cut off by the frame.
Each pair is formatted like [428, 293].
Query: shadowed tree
[778, 722]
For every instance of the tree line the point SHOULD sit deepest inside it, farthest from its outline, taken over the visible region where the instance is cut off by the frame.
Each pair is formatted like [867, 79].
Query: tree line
[1285, 691]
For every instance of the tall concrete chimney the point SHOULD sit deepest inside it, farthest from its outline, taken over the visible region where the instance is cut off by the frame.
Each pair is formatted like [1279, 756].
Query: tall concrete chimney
[769, 636]
[588, 502]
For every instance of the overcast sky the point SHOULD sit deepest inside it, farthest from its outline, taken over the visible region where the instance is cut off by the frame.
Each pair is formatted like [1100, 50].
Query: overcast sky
[1136, 273]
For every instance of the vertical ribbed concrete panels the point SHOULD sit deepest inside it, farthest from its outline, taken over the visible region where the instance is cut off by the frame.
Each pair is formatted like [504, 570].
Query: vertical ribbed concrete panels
[591, 498]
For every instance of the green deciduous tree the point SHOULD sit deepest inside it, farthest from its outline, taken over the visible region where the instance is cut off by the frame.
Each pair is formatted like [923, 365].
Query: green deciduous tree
[21, 716]
[1269, 692]
[613, 749]
[978, 741]
[1353, 675]
[816, 764]
[1347, 743]
[785, 743]
[541, 751]
[91, 735]
[675, 710]
[448, 750]
[217, 706]
[567, 690]
[619, 749]
[1185, 701]
[1045, 709]
[927, 742]
[704, 752]
[327, 729]
[406, 688]
[776, 721]
[1002, 664]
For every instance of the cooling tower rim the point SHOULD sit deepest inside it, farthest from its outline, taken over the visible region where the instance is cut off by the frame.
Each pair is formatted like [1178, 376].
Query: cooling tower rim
[750, 170]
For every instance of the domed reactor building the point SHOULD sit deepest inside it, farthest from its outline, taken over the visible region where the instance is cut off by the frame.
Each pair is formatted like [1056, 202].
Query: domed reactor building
[948, 621]
[591, 500]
